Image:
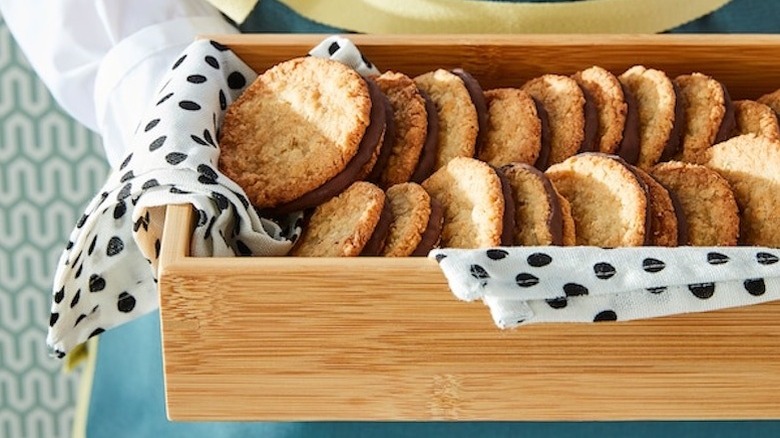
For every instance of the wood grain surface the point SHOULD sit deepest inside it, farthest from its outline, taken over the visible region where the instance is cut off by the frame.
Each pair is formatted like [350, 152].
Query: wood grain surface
[384, 339]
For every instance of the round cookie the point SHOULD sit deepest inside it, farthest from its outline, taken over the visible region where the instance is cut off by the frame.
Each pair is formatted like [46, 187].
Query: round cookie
[345, 225]
[457, 115]
[417, 221]
[663, 222]
[709, 115]
[708, 204]
[661, 117]
[756, 118]
[772, 100]
[514, 130]
[410, 120]
[616, 108]
[572, 117]
[471, 195]
[609, 202]
[542, 216]
[281, 139]
[750, 164]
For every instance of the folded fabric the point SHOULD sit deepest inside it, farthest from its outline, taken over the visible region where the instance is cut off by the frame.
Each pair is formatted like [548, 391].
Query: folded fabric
[524, 285]
[107, 274]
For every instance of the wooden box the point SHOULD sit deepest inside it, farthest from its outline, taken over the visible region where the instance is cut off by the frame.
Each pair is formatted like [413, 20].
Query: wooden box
[384, 339]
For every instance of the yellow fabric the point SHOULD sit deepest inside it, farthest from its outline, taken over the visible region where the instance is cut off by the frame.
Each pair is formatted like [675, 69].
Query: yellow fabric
[85, 388]
[471, 16]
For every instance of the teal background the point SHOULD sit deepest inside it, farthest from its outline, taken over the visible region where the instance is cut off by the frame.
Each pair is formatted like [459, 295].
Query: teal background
[50, 167]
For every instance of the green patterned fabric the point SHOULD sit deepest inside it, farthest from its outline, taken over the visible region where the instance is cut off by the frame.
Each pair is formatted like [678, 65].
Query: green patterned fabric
[50, 166]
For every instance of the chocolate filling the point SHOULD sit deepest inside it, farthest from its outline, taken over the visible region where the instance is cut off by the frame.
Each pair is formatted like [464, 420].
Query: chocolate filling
[478, 99]
[387, 144]
[428, 153]
[337, 184]
[376, 243]
[729, 122]
[629, 144]
[682, 221]
[508, 226]
[590, 139]
[555, 218]
[677, 133]
[543, 161]
[432, 234]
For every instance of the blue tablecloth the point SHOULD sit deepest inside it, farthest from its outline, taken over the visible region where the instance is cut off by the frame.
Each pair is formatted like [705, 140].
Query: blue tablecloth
[127, 397]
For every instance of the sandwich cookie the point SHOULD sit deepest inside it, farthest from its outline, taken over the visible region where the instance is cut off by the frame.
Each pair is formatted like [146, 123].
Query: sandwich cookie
[571, 113]
[661, 114]
[618, 132]
[750, 164]
[609, 201]
[356, 222]
[456, 96]
[707, 202]
[514, 131]
[709, 115]
[664, 217]
[542, 216]
[286, 146]
[472, 196]
[756, 118]
[772, 100]
[417, 221]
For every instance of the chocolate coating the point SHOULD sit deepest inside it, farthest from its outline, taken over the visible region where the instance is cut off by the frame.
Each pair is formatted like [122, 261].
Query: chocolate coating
[629, 144]
[339, 183]
[555, 218]
[590, 139]
[478, 99]
[432, 234]
[387, 143]
[677, 133]
[427, 158]
[543, 161]
[508, 227]
[682, 221]
[376, 243]
[729, 122]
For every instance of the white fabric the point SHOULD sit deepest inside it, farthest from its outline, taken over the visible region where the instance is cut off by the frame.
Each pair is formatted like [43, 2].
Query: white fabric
[524, 285]
[100, 58]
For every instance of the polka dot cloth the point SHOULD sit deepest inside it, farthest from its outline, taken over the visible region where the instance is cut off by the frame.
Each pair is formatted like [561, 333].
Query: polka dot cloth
[107, 274]
[523, 285]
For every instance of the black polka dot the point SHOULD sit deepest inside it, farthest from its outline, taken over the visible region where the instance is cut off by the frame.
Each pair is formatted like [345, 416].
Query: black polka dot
[496, 254]
[607, 315]
[656, 290]
[525, 279]
[558, 303]
[365, 61]
[207, 136]
[59, 295]
[766, 258]
[120, 209]
[96, 332]
[236, 80]
[175, 158]
[178, 62]
[142, 222]
[478, 272]
[69, 245]
[164, 98]
[92, 246]
[440, 257]
[53, 319]
[653, 265]
[157, 143]
[115, 246]
[221, 200]
[125, 192]
[702, 290]
[716, 258]
[604, 271]
[218, 46]
[149, 184]
[125, 303]
[151, 125]
[243, 249]
[81, 317]
[198, 140]
[189, 105]
[82, 220]
[538, 259]
[96, 283]
[333, 48]
[60, 354]
[75, 299]
[126, 161]
[243, 199]
[196, 79]
[202, 218]
[177, 191]
[222, 100]
[157, 246]
[574, 289]
[212, 61]
[78, 271]
[207, 233]
[755, 286]
[207, 174]
[127, 176]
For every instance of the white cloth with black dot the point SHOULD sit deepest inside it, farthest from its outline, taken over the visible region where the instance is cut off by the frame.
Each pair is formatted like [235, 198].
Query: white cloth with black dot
[107, 274]
[524, 285]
